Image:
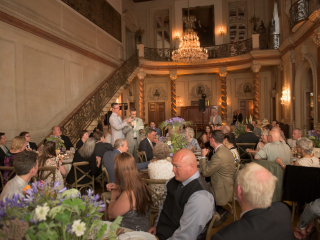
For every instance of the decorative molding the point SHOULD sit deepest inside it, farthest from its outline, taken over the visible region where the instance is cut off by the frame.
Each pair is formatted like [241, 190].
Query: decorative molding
[280, 66]
[141, 74]
[198, 89]
[223, 72]
[173, 74]
[256, 67]
[244, 89]
[304, 50]
[316, 37]
[156, 92]
[292, 56]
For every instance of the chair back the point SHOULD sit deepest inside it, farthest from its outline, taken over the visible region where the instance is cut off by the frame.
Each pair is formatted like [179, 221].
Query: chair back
[44, 173]
[244, 156]
[77, 183]
[105, 173]
[7, 178]
[215, 217]
[142, 156]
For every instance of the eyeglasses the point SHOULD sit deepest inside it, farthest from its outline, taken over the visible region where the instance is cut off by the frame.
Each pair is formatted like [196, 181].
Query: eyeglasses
[28, 136]
[116, 108]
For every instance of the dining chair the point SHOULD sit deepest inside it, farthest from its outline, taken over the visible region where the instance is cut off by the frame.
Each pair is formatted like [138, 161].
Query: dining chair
[106, 196]
[241, 147]
[105, 173]
[142, 156]
[215, 217]
[6, 179]
[77, 183]
[44, 173]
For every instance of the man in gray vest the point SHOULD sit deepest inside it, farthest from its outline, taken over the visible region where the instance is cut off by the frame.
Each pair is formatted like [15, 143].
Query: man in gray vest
[188, 204]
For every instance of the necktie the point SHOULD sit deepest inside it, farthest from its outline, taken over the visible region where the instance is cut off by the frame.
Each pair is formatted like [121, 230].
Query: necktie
[180, 186]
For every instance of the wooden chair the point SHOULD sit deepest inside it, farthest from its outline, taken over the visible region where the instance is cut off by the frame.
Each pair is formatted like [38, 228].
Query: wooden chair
[76, 183]
[105, 173]
[241, 147]
[46, 172]
[11, 175]
[100, 179]
[106, 196]
[142, 156]
[155, 197]
[215, 217]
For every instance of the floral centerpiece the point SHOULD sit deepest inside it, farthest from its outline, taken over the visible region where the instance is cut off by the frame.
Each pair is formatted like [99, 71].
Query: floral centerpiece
[314, 136]
[176, 137]
[59, 142]
[240, 126]
[46, 213]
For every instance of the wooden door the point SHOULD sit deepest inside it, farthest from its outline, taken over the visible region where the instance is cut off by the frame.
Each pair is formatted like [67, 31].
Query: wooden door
[246, 108]
[156, 112]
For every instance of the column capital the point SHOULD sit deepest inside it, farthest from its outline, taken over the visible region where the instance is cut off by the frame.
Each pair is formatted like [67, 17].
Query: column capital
[280, 66]
[223, 72]
[141, 74]
[292, 56]
[316, 37]
[173, 74]
[256, 67]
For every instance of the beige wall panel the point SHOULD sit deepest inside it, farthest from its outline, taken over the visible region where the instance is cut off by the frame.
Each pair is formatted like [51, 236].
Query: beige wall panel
[106, 43]
[75, 84]
[74, 23]
[7, 83]
[93, 77]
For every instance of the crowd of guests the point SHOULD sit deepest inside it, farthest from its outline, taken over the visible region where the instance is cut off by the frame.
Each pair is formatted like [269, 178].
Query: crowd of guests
[194, 191]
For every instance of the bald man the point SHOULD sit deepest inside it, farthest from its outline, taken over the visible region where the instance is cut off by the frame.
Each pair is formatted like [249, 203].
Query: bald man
[188, 204]
[260, 218]
[274, 149]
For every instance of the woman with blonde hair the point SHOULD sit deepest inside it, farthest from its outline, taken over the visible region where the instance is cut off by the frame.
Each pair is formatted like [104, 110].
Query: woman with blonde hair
[130, 197]
[192, 143]
[49, 158]
[261, 143]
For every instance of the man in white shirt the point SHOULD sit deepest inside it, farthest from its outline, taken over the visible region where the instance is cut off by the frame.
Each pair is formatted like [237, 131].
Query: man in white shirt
[215, 118]
[116, 123]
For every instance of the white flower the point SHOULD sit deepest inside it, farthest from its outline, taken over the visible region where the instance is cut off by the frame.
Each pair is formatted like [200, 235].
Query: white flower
[169, 142]
[41, 212]
[78, 228]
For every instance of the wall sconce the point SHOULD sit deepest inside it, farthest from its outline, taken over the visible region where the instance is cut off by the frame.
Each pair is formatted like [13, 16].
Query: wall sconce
[179, 101]
[221, 31]
[176, 36]
[285, 99]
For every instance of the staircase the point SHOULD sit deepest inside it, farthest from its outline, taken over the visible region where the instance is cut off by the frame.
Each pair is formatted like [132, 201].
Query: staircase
[87, 113]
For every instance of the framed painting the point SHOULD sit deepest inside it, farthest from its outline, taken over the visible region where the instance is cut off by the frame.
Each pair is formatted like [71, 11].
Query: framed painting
[204, 25]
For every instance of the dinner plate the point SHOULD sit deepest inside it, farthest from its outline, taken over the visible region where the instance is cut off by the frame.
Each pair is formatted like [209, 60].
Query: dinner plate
[136, 236]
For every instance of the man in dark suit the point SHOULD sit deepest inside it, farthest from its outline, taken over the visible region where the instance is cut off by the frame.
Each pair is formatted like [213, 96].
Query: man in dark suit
[249, 136]
[148, 143]
[153, 126]
[101, 146]
[237, 116]
[56, 131]
[260, 218]
[120, 146]
[3, 148]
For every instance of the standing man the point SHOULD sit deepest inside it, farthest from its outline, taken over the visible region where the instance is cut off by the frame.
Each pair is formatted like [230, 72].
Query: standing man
[116, 123]
[237, 116]
[3, 148]
[133, 133]
[153, 126]
[215, 118]
[56, 131]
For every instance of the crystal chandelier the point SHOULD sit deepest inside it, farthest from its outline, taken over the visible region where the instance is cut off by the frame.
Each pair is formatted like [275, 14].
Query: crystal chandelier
[189, 47]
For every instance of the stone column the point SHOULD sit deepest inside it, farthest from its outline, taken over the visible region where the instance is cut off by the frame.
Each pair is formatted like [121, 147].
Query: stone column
[173, 77]
[256, 91]
[223, 78]
[292, 88]
[316, 40]
[141, 75]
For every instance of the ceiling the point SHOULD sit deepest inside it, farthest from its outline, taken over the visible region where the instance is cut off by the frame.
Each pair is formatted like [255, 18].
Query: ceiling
[137, 1]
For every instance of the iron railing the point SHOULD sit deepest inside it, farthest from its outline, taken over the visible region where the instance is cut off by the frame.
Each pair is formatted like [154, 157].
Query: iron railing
[91, 107]
[274, 41]
[299, 12]
[158, 54]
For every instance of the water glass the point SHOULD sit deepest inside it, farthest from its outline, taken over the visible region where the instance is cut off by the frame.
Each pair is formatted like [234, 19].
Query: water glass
[72, 150]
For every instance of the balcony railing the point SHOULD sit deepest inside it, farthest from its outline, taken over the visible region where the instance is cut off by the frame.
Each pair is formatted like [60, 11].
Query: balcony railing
[274, 41]
[218, 51]
[299, 12]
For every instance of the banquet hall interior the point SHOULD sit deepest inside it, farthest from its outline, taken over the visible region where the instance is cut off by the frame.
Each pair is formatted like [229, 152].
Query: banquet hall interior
[64, 62]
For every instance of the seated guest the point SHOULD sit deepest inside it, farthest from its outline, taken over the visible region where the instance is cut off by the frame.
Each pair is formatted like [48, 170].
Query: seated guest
[267, 127]
[153, 126]
[160, 169]
[278, 129]
[217, 127]
[215, 118]
[306, 221]
[232, 125]
[188, 203]
[18, 145]
[260, 218]
[225, 129]
[94, 131]
[256, 130]
[228, 142]
[3, 148]
[274, 123]
[249, 136]
[30, 145]
[108, 136]
[280, 125]
[101, 146]
[205, 136]
[212, 126]
[26, 167]
[221, 171]
[85, 154]
[120, 146]
[304, 147]
[56, 131]
[237, 116]
[274, 149]
[130, 197]
[296, 135]
[84, 135]
[147, 144]
[48, 158]
[261, 143]
[192, 143]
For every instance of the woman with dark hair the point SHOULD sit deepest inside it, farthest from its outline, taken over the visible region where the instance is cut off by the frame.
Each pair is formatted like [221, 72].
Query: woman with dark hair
[229, 142]
[84, 135]
[130, 197]
[205, 136]
[30, 145]
[48, 158]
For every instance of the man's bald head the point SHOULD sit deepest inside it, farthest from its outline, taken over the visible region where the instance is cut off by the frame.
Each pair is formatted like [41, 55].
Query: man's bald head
[225, 129]
[184, 164]
[275, 134]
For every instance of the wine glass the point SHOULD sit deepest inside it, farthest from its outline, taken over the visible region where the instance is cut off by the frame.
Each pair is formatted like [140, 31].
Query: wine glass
[72, 150]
